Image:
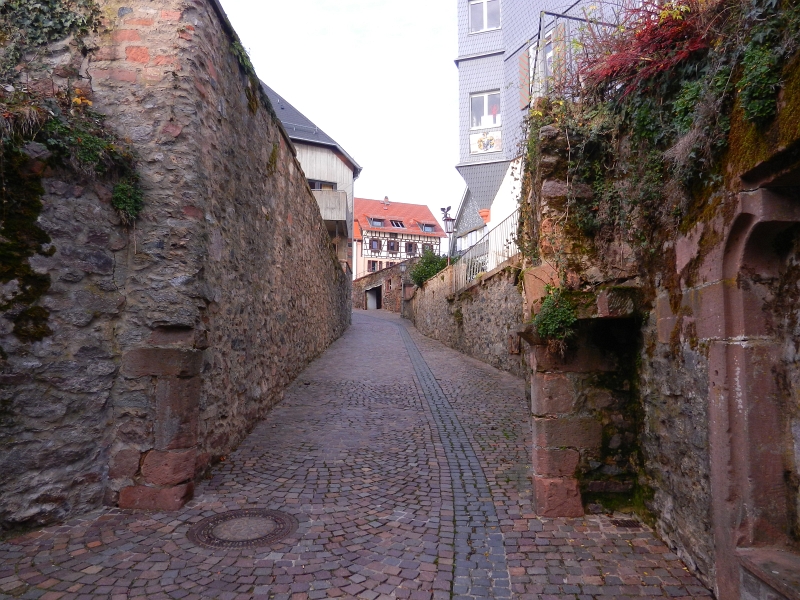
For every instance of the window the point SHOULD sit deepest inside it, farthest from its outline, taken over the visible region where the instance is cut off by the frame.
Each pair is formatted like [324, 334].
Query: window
[411, 248]
[428, 228]
[397, 224]
[372, 266]
[376, 222]
[321, 185]
[393, 246]
[375, 245]
[392, 234]
[484, 15]
[427, 247]
[485, 110]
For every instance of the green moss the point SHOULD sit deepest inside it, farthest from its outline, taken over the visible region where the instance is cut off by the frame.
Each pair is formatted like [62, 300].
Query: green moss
[272, 163]
[128, 199]
[21, 238]
[556, 319]
[31, 324]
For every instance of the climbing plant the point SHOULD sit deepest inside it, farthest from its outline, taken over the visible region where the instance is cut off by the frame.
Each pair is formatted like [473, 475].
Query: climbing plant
[555, 321]
[649, 110]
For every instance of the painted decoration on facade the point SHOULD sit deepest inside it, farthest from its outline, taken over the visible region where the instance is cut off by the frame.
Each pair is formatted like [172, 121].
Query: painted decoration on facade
[487, 141]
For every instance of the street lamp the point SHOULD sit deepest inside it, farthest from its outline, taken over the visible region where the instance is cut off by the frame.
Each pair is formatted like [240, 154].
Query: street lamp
[449, 226]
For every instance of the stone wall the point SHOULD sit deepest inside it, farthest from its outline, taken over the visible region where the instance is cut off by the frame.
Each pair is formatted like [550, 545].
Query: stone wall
[711, 326]
[172, 338]
[480, 320]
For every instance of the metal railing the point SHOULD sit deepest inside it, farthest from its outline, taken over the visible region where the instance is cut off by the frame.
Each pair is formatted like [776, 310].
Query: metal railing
[487, 253]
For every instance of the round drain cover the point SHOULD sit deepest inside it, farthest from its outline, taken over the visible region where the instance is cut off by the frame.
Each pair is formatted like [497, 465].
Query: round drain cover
[248, 528]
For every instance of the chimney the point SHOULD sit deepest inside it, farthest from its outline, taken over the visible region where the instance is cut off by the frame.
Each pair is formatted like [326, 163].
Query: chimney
[385, 203]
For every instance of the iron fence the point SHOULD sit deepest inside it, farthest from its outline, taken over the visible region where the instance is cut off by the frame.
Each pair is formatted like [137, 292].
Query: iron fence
[489, 252]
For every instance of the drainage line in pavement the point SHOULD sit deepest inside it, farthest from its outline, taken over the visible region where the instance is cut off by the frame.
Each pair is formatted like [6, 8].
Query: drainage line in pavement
[480, 569]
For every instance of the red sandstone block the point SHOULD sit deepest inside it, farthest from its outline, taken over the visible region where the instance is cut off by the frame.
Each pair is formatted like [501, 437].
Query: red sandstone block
[126, 35]
[124, 464]
[164, 59]
[567, 432]
[141, 22]
[193, 212]
[555, 463]
[177, 412]
[123, 75]
[557, 497]
[551, 394]
[142, 362]
[171, 129]
[138, 54]
[115, 74]
[581, 358]
[150, 498]
[163, 336]
[168, 468]
[171, 15]
[106, 53]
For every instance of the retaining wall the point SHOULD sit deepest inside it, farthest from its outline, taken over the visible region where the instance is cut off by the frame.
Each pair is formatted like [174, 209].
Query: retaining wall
[480, 320]
[170, 339]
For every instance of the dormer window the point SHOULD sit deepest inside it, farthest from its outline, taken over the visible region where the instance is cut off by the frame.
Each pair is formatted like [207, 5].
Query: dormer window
[427, 228]
[397, 224]
[376, 222]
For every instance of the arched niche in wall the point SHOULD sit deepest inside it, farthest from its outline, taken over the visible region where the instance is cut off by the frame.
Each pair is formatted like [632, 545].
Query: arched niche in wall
[752, 408]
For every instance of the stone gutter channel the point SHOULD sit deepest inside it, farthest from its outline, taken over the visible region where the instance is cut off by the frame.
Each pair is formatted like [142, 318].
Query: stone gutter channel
[480, 569]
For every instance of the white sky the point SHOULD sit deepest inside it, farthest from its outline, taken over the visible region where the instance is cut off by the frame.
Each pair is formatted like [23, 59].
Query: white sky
[377, 76]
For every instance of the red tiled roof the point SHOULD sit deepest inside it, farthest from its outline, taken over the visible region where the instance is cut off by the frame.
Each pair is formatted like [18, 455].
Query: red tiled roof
[412, 216]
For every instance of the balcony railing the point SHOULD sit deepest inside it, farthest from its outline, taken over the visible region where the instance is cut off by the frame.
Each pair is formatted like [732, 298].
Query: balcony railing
[332, 204]
[487, 253]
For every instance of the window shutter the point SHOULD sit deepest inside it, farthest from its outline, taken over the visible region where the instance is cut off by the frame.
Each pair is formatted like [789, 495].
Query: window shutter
[524, 79]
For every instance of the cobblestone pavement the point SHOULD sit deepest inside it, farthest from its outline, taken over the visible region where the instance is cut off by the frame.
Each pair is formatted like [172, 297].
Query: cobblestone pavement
[405, 464]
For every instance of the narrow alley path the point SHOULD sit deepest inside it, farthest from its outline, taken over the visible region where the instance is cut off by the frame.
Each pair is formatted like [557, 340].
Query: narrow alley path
[404, 467]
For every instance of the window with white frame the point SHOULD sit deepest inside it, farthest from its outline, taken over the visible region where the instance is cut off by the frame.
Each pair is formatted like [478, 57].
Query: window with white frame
[484, 15]
[485, 110]
[396, 223]
[428, 228]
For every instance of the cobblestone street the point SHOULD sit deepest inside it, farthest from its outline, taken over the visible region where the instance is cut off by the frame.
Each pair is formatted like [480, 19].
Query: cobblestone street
[405, 466]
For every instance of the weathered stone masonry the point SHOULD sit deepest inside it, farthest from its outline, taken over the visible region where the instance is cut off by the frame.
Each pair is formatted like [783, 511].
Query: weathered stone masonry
[172, 338]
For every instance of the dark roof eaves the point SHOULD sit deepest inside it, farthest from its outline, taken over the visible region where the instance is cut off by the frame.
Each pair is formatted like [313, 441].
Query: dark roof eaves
[226, 25]
[355, 167]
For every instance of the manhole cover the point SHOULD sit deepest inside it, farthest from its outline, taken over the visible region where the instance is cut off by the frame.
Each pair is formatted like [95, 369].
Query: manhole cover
[629, 523]
[248, 528]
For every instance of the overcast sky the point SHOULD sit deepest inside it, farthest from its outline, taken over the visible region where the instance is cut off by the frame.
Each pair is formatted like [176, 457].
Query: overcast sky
[377, 76]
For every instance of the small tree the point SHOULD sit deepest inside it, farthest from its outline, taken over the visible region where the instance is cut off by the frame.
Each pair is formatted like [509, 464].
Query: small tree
[428, 266]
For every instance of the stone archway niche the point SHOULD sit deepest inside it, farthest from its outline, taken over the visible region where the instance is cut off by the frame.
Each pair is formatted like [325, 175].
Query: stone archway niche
[749, 415]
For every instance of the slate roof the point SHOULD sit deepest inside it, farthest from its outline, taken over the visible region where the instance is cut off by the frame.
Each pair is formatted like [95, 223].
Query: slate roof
[301, 129]
[412, 216]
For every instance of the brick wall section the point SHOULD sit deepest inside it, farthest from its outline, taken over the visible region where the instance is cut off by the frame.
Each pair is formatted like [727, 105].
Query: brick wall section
[171, 339]
[480, 321]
